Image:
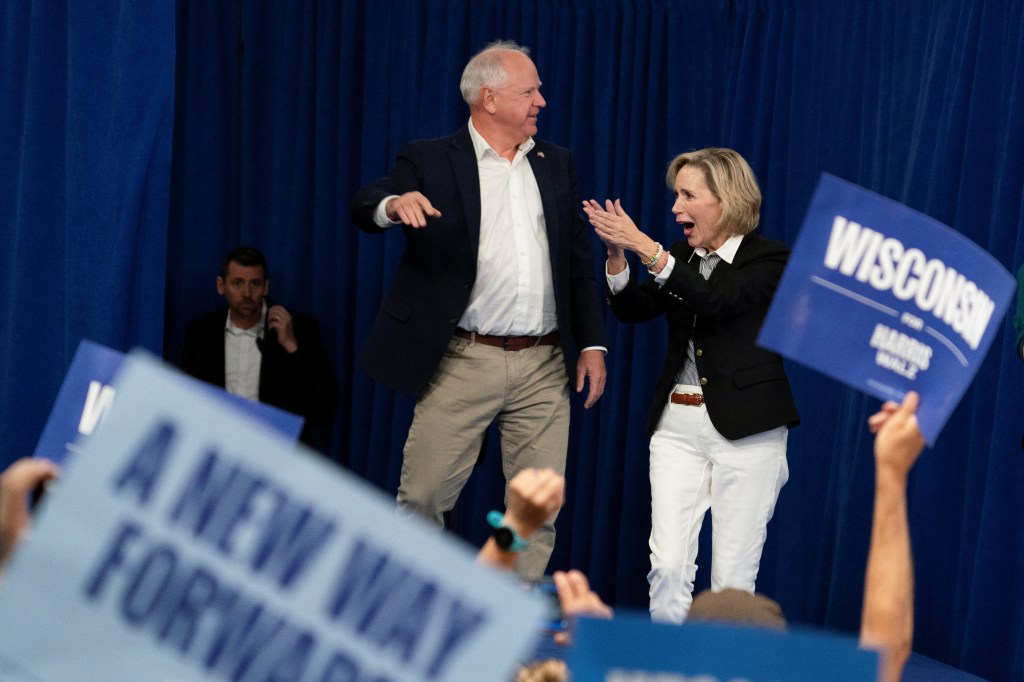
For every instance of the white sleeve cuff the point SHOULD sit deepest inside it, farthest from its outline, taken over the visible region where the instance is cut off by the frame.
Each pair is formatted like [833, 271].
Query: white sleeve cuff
[380, 216]
[617, 282]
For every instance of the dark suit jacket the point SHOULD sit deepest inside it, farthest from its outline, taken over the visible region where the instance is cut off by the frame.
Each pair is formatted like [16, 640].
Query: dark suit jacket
[434, 279]
[301, 382]
[745, 387]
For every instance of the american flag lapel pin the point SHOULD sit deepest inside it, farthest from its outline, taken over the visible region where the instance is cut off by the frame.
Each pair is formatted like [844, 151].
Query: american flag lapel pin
[540, 154]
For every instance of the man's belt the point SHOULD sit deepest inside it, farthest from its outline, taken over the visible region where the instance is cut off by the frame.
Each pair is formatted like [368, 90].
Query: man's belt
[510, 342]
[695, 399]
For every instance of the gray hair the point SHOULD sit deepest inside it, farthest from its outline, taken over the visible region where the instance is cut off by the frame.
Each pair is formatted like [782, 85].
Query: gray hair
[486, 69]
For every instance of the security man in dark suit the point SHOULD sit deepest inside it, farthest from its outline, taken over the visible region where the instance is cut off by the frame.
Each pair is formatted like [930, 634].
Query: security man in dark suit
[262, 351]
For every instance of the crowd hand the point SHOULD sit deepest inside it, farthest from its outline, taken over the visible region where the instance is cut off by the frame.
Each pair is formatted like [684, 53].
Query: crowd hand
[898, 441]
[16, 483]
[280, 320]
[577, 599]
[534, 495]
[412, 209]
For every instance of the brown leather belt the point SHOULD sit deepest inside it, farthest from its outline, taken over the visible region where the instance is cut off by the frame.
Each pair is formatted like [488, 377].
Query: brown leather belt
[695, 399]
[512, 343]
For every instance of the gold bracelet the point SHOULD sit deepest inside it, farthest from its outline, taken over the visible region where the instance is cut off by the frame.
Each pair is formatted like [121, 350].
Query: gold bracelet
[655, 257]
[654, 269]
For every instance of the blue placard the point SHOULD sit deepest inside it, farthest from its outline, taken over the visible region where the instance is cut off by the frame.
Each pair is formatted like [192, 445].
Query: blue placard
[188, 541]
[887, 300]
[630, 648]
[87, 393]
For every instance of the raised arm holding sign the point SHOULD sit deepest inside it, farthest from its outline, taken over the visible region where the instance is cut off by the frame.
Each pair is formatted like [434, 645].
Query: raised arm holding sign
[887, 623]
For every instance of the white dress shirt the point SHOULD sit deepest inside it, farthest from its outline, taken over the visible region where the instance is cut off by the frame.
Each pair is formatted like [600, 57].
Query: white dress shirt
[726, 252]
[514, 294]
[688, 372]
[242, 357]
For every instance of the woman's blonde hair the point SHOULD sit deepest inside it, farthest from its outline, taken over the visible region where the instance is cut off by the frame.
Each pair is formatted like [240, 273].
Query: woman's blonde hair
[730, 180]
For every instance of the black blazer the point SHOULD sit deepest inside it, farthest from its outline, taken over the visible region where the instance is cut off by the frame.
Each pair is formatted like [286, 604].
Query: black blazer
[745, 387]
[435, 276]
[301, 382]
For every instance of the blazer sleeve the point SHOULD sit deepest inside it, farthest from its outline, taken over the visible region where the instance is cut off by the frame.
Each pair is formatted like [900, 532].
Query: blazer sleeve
[403, 177]
[301, 382]
[587, 310]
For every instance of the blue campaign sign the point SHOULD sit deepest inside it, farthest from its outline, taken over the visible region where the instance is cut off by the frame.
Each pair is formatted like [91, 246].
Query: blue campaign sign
[630, 648]
[887, 300]
[87, 393]
[189, 541]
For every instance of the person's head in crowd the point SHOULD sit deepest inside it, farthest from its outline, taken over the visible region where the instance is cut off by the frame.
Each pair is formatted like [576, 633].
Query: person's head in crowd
[17, 484]
[721, 192]
[548, 670]
[737, 607]
[244, 282]
[501, 86]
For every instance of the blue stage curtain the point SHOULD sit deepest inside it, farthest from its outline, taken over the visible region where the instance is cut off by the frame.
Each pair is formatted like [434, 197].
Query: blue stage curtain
[85, 147]
[284, 109]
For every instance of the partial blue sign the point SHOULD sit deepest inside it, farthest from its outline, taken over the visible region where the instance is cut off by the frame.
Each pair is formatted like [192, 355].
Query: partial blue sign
[630, 648]
[87, 393]
[887, 300]
[189, 541]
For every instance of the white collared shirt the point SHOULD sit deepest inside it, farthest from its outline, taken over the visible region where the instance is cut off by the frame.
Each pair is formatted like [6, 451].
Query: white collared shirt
[242, 357]
[514, 294]
[687, 374]
[726, 252]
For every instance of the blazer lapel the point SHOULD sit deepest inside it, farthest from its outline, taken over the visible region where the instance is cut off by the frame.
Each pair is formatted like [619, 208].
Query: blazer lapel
[467, 178]
[542, 173]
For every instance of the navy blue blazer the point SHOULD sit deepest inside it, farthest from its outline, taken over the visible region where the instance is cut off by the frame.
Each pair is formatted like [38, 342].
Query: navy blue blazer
[745, 386]
[435, 276]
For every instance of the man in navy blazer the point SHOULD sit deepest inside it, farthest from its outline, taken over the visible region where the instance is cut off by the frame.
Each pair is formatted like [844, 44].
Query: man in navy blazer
[494, 305]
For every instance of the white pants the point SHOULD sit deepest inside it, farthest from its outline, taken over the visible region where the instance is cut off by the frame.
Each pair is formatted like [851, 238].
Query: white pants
[693, 468]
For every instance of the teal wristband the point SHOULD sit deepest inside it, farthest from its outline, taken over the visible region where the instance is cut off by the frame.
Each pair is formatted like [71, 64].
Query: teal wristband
[505, 536]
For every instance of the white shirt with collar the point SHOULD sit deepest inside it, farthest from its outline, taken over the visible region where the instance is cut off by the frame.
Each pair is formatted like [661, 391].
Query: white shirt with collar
[514, 294]
[242, 357]
[726, 252]
[687, 374]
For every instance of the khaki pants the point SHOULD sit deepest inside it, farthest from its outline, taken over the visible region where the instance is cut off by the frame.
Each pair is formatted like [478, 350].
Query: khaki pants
[527, 391]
